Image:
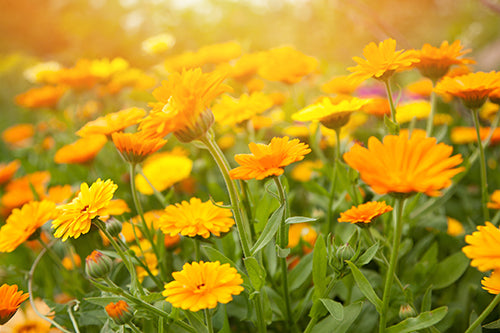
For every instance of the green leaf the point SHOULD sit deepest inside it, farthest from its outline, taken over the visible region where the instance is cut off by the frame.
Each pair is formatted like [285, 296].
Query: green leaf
[427, 300]
[365, 287]
[215, 255]
[104, 300]
[256, 272]
[282, 253]
[299, 219]
[319, 267]
[368, 255]
[270, 230]
[493, 324]
[330, 324]
[196, 321]
[335, 308]
[392, 127]
[422, 321]
[449, 270]
[300, 273]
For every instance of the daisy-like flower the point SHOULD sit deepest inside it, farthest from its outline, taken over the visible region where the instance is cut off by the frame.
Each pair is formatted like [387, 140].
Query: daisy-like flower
[269, 160]
[196, 218]
[381, 61]
[202, 285]
[484, 247]
[135, 147]
[182, 106]
[231, 111]
[286, 64]
[492, 283]
[75, 218]
[494, 200]
[473, 89]
[365, 213]
[44, 97]
[7, 170]
[10, 300]
[402, 166]
[112, 122]
[331, 115]
[436, 61]
[81, 151]
[24, 222]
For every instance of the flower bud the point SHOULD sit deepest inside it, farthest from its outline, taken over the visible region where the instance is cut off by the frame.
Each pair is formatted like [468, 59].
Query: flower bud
[344, 252]
[198, 129]
[406, 311]
[120, 312]
[97, 265]
[114, 227]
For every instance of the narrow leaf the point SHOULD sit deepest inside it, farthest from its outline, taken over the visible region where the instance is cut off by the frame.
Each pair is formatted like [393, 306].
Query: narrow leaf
[365, 287]
[319, 267]
[104, 300]
[335, 308]
[270, 230]
[493, 325]
[368, 255]
[256, 272]
[422, 321]
[427, 300]
[330, 324]
[299, 219]
[196, 321]
[449, 270]
[300, 273]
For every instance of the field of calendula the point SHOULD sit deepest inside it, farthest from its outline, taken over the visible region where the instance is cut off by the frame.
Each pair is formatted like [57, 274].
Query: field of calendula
[249, 166]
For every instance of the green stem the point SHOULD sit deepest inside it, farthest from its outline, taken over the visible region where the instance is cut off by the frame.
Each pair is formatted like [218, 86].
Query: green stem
[197, 249]
[138, 206]
[392, 264]
[208, 318]
[133, 327]
[430, 120]
[157, 193]
[261, 323]
[482, 161]
[329, 212]
[73, 320]
[311, 324]
[387, 84]
[484, 314]
[51, 253]
[283, 242]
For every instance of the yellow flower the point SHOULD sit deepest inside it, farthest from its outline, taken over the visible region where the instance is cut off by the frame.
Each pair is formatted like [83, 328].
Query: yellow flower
[304, 232]
[492, 283]
[182, 106]
[455, 228]
[365, 213]
[268, 160]
[484, 247]
[473, 89]
[40, 72]
[105, 68]
[112, 122]
[158, 44]
[202, 285]
[378, 106]
[463, 135]
[76, 217]
[44, 97]
[27, 320]
[72, 262]
[135, 147]
[231, 111]
[24, 222]
[331, 115]
[340, 85]
[416, 109]
[152, 263]
[304, 171]
[81, 151]
[79, 77]
[436, 61]
[286, 64]
[494, 200]
[246, 66]
[381, 61]
[163, 170]
[218, 53]
[196, 218]
[403, 165]
[20, 191]
[10, 300]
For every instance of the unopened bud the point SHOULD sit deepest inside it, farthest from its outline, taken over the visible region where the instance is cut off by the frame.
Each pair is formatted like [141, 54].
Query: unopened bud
[344, 252]
[114, 227]
[406, 311]
[120, 312]
[98, 265]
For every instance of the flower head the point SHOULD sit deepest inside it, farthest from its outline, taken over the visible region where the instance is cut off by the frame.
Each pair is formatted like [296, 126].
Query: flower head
[10, 300]
[302, 232]
[112, 122]
[19, 136]
[81, 151]
[231, 111]
[76, 217]
[135, 147]
[7, 170]
[120, 312]
[494, 200]
[24, 222]
[381, 61]
[286, 64]
[44, 97]
[473, 89]
[202, 285]
[365, 213]
[484, 247]
[268, 160]
[436, 61]
[98, 265]
[492, 283]
[196, 218]
[403, 165]
[455, 228]
[415, 109]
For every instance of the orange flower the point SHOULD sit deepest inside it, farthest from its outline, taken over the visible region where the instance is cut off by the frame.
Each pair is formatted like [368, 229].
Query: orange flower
[304, 171]
[268, 160]
[287, 65]
[202, 285]
[463, 135]
[402, 165]
[7, 170]
[10, 300]
[365, 213]
[195, 218]
[436, 61]
[135, 147]
[231, 111]
[24, 222]
[302, 232]
[81, 151]
[455, 228]
[44, 97]
[72, 262]
[246, 66]
[473, 89]
[378, 106]
[484, 247]
[494, 200]
[182, 105]
[381, 61]
[120, 312]
[19, 191]
[112, 122]
[79, 77]
[492, 283]
[19, 136]
[59, 193]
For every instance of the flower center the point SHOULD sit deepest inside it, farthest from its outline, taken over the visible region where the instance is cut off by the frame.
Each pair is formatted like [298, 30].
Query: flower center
[200, 288]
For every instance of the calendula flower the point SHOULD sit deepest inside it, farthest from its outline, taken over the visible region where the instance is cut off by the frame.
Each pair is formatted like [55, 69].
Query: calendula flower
[20, 191]
[331, 115]
[381, 61]
[59, 193]
[163, 170]
[484, 247]
[40, 72]
[365, 213]
[71, 262]
[182, 106]
[340, 85]
[81, 151]
[231, 111]
[19, 136]
[120, 312]
[78, 77]
[44, 97]
[286, 64]
[494, 200]
[304, 232]
[7, 170]
[415, 109]
[158, 44]
[401, 165]
[455, 228]
[247, 66]
[105, 68]
[75, 218]
[132, 77]
[135, 147]
[202, 285]
[24, 222]
[268, 160]
[27, 320]
[196, 218]
[377, 106]
[492, 283]
[473, 89]
[219, 53]
[464, 135]
[304, 171]
[112, 122]
[10, 300]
